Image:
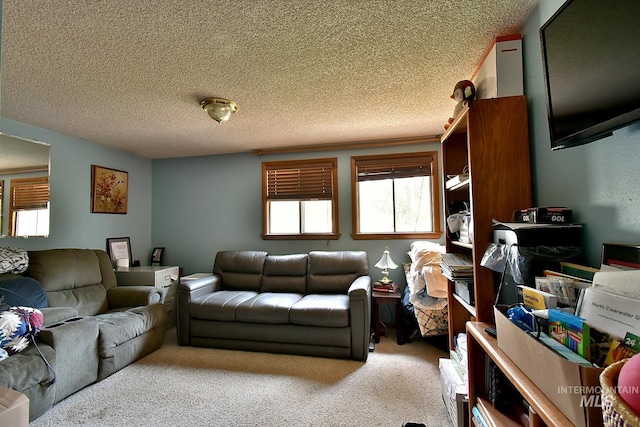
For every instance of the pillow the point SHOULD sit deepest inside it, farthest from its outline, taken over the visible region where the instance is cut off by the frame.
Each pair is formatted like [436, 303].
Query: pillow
[13, 260]
[17, 327]
[23, 291]
[424, 253]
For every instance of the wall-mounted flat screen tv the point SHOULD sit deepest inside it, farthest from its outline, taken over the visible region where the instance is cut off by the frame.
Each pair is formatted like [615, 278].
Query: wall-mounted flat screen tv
[591, 59]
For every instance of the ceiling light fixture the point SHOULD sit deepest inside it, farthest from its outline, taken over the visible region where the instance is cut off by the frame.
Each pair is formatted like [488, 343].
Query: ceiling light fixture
[219, 109]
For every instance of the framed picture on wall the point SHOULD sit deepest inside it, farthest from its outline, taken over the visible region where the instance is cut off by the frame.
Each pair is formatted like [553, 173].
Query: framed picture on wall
[119, 250]
[109, 190]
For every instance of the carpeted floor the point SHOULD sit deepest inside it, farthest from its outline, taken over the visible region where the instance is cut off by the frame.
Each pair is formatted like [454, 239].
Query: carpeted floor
[188, 386]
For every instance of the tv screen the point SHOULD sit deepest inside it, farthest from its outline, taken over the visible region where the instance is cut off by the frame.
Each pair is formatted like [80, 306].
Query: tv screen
[591, 58]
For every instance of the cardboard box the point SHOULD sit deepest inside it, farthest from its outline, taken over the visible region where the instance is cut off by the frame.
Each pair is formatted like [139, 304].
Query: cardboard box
[574, 389]
[454, 394]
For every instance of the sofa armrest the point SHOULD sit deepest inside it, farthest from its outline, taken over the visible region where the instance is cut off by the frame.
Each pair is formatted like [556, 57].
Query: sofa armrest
[360, 317]
[361, 287]
[133, 296]
[187, 291]
[53, 315]
[75, 341]
[202, 286]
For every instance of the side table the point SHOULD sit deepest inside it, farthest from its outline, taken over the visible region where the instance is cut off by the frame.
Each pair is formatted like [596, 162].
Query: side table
[389, 298]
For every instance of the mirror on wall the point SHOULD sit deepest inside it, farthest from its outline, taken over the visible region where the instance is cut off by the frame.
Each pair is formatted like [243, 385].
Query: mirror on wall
[24, 187]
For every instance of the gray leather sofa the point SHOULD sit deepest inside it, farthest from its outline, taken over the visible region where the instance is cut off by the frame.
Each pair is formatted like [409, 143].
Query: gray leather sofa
[92, 328]
[315, 304]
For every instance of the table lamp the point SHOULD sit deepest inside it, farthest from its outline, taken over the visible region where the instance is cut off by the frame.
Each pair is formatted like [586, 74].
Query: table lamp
[385, 264]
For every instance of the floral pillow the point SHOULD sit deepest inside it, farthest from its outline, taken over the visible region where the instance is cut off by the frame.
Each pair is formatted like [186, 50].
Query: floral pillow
[17, 327]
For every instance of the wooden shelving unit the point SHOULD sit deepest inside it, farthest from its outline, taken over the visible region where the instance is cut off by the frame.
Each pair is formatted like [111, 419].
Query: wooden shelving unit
[490, 137]
[489, 140]
[542, 411]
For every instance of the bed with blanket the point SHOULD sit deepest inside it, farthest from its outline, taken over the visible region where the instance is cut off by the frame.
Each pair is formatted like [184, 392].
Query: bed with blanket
[425, 296]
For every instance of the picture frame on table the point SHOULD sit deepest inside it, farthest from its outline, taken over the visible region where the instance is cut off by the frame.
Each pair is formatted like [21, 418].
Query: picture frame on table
[119, 250]
[156, 256]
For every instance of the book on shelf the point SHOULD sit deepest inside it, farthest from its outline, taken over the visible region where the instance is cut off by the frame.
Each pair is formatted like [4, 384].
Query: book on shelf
[576, 270]
[456, 266]
[566, 287]
[562, 288]
[611, 312]
[478, 418]
[535, 298]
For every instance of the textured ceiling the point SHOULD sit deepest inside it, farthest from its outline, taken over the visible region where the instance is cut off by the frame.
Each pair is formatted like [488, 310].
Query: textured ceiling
[130, 73]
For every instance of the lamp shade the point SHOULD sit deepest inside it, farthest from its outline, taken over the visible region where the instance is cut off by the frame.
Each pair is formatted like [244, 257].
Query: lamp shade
[386, 262]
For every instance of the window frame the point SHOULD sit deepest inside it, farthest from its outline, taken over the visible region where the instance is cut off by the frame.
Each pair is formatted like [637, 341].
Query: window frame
[385, 160]
[27, 194]
[301, 164]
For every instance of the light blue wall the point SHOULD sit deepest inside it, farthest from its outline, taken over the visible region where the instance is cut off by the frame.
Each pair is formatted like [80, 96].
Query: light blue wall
[597, 180]
[205, 204]
[72, 223]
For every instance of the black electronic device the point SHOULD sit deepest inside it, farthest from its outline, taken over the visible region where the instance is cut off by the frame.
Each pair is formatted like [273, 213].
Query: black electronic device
[538, 247]
[591, 59]
[491, 331]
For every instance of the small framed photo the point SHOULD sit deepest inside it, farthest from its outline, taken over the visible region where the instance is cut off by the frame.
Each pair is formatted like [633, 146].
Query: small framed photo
[156, 256]
[119, 250]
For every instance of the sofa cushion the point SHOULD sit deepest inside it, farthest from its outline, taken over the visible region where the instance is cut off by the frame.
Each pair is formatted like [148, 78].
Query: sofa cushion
[220, 305]
[285, 273]
[116, 328]
[267, 307]
[23, 291]
[71, 278]
[62, 269]
[333, 272]
[240, 269]
[27, 369]
[321, 310]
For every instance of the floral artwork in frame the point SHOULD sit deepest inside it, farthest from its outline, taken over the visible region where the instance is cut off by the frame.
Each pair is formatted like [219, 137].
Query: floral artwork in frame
[109, 190]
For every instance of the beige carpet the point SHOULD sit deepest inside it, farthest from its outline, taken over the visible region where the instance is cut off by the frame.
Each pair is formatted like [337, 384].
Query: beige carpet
[188, 386]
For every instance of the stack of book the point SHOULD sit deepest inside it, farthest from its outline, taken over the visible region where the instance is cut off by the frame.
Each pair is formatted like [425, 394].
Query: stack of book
[385, 287]
[456, 266]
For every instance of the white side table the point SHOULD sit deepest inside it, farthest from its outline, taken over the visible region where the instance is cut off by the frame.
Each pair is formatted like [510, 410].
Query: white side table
[164, 277]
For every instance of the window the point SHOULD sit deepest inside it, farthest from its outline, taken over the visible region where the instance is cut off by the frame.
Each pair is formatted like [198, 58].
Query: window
[396, 196]
[300, 199]
[29, 207]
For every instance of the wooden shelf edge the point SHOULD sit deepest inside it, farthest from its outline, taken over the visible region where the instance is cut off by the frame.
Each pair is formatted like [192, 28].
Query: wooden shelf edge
[471, 309]
[543, 406]
[494, 417]
[462, 244]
